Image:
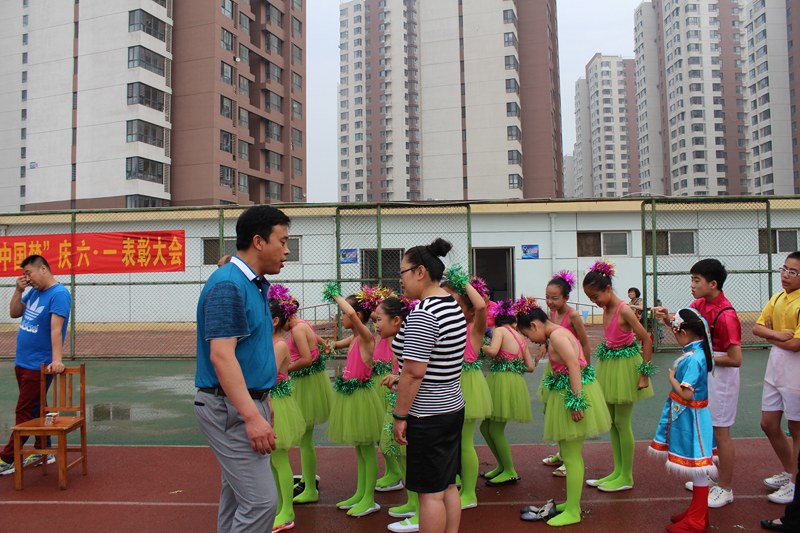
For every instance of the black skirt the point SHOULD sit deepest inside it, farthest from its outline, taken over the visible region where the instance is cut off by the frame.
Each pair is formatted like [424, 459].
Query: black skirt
[434, 451]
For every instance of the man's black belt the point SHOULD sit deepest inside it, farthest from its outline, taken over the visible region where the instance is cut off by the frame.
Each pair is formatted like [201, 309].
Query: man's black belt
[259, 395]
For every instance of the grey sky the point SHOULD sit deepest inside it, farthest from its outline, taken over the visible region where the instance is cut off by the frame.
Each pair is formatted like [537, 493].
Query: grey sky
[585, 27]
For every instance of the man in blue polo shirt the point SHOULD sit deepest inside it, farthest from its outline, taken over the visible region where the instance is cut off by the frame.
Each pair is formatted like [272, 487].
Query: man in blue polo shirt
[236, 369]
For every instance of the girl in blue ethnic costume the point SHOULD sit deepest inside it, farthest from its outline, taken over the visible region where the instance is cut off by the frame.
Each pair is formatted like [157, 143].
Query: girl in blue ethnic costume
[685, 435]
[357, 411]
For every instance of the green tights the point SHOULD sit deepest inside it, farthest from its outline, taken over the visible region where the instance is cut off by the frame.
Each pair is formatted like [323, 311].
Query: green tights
[284, 482]
[412, 499]
[364, 498]
[570, 511]
[469, 464]
[621, 446]
[493, 432]
[308, 463]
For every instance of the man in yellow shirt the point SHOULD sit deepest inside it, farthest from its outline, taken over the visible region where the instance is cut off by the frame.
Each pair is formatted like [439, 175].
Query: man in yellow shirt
[779, 324]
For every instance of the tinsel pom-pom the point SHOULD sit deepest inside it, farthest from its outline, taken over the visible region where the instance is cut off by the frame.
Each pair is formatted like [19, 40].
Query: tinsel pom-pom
[504, 308]
[648, 369]
[331, 290]
[574, 402]
[524, 305]
[480, 286]
[278, 292]
[369, 298]
[604, 353]
[457, 278]
[603, 267]
[289, 307]
[408, 305]
[567, 276]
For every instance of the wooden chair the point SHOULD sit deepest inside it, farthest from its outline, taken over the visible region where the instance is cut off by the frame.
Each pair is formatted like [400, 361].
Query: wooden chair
[69, 401]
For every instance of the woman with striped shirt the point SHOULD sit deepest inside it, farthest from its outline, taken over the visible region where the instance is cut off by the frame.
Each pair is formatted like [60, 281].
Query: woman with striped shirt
[430, 409]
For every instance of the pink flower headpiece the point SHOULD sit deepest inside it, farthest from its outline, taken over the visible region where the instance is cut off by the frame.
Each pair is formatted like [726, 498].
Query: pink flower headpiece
[286, 301]
[479, 284]
[524, 305]
[408, 305]
[568, 277]
[603, 267]
[504, 308]
[369, 298]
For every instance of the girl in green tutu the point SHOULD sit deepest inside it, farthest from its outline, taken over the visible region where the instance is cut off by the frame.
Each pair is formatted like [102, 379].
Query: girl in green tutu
[471, 295]
[357, 412]
[623, 371]
[575, 407]
[287, 419]
[511, 400]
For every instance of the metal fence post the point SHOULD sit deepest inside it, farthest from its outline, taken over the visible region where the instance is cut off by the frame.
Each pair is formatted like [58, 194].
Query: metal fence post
[769, 246]
[72, 230]
[378, 247]
[221, 232]
[470, 255]
[645, 313]
[654, 247]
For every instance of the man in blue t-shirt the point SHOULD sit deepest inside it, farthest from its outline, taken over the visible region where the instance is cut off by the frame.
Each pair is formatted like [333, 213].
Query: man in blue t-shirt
[236, 370]
[45, 313]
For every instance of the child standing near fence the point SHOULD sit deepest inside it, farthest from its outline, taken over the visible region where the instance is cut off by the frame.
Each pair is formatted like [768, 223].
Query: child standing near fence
[511, 400]
[556, 296]
[779, 324]
[357, 411]
[312, 391]
[288, 420]
[623, 371]
[685, 436]
[708, 277]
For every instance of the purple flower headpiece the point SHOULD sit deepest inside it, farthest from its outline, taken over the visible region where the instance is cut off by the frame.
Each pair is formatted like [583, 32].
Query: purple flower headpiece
[504, 308]
[408, 305]
[603, 267]
[524, 305]
[568, 277]
[286, 301]
[479, 284]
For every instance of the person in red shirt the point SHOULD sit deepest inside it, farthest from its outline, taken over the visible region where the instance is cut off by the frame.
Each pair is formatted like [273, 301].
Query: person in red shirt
[708, 277]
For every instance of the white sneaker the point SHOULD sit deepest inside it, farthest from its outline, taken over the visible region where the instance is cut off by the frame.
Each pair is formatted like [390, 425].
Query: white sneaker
[403, 526]
[783, 495]
[778, 480]
[719, 497]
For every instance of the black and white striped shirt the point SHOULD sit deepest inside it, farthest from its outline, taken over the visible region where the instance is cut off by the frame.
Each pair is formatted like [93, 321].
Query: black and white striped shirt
[435, 332]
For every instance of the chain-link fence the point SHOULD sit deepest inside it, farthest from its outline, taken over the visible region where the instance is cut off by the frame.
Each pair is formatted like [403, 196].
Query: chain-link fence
[751, 237]
[152, 313]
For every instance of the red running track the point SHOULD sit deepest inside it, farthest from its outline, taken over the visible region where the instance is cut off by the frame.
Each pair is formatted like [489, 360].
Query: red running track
[175, 489]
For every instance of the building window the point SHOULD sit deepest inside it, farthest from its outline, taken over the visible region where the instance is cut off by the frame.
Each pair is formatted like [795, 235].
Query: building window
[513, 133]
[297, 167]
[139, 56]
[244, 118]
[509, 17]
[297, 194]
[670, 242]
[244, 54]
[226, 141]
[512, 86]
[511, 63]
[244, 151]
[514, 181]
[274, 130]
[783, 241]
[509, 39]
[512, 109]
[274, 191]
[297, 54]
[226, 73]
[227, 8]
[139, 168]
[146, 132]
[226, 41]
[274, 15]
[297, 28]
[600, 244]
[297, 82]
[274, 161]
[139, 20]
[514, 157]
[297, 5]
[274, 72]
[225, 107]
[274, 43]
[274, 101]
[244, 23]
[225, 176]
[244, 86]
[134, 201]
[297, 110]
[297, 138]
[139, 93]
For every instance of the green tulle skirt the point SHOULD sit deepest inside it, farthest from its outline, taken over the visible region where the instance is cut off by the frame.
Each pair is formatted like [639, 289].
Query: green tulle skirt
[619, 379]
[356, 418]
[558, 423]
[477, 397]
[511, 401]
[290, 426]
[313, 394]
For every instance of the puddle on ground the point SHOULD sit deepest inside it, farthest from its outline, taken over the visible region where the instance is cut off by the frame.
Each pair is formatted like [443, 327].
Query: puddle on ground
[179, 384]
[106, 412]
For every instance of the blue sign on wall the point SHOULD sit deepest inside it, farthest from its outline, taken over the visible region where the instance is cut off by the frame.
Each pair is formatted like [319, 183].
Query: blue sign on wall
[530, 251]
[348, 256]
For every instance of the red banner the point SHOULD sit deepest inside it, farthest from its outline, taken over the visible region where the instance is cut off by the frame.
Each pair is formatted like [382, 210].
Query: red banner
[97, 253]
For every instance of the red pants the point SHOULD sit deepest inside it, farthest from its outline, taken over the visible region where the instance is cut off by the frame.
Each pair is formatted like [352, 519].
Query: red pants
[27, 404]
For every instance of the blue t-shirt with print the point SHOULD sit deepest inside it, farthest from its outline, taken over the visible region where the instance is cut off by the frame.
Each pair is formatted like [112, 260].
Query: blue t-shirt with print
[233, 306]
[33, 339]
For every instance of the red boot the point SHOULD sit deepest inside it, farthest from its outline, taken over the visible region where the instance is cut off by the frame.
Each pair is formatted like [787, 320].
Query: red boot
[695, 520]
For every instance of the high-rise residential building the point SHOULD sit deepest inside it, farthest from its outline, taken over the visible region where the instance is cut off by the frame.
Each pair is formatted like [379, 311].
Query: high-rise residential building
[378, 101]
[770, 106]
[129, 104]
[490, 113]
[610, 135]
[582, 149]
[699, 81]
[569, 176]
[454, 99]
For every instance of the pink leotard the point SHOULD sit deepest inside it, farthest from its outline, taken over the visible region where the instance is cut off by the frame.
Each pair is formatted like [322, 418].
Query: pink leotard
[383, 351]
[565, 321]
[354, 367]
[470, 355]
[560, 368]
[511, 356]
[282, 377]
[294, 352]
[615, 336]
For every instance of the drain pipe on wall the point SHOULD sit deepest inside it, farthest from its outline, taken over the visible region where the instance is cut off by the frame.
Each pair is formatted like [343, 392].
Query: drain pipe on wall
[552, 243]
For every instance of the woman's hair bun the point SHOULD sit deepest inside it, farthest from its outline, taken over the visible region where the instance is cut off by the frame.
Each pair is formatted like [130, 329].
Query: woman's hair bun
[439, 247]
